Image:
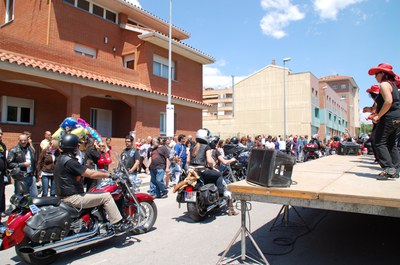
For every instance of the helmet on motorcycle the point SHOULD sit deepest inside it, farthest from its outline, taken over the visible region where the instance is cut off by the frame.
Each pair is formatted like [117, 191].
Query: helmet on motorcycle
[203, 136]
[213, 142]
[234, 140]
[69, 143]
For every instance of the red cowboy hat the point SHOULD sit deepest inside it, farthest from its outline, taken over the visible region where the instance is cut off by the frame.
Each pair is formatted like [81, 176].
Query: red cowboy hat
[382, 67]
[374, 89]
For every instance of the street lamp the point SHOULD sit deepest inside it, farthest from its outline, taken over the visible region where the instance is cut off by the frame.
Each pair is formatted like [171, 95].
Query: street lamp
[170, 107]
[284, 97]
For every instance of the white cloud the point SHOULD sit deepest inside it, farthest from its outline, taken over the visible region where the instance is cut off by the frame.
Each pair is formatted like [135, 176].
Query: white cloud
[328, 9]
[213, 77]
[279, 14]
[134, 2]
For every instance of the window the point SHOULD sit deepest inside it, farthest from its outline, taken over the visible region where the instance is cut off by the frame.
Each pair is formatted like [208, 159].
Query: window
[330, 116]
[343, 96]
[17, 110]
[343, 86]
[163, 123]
[97, 10]
[316, 112]
[111, 16]
[9, 11]
[335, 87]
[85, 51]
[93, 8]
[83, 4]
[129, 61]
[160, 67]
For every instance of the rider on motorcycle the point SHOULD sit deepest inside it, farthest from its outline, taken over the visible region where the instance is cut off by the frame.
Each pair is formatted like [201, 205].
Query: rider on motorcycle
[201, 159]
[68, 177]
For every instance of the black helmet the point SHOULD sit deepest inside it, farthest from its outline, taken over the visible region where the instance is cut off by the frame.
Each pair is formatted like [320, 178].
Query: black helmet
[213, 142]
[69, 143]
[203, 136]
[234, 140]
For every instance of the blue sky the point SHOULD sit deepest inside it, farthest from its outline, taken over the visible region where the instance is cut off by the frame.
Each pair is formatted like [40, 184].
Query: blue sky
[325, 37]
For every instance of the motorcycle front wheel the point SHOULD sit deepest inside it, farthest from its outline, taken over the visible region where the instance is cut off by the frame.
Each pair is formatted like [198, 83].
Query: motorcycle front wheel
[44, 257]
[143, 224]
[195, 213]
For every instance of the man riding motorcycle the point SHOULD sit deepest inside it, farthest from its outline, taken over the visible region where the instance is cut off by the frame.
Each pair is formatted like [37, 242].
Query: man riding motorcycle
[201, 159]
[68, 177]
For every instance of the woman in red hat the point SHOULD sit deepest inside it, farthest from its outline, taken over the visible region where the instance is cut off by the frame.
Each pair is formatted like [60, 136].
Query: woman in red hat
[387, 120]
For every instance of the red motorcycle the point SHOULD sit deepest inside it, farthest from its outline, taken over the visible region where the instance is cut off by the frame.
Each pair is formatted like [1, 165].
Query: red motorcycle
[41, 228]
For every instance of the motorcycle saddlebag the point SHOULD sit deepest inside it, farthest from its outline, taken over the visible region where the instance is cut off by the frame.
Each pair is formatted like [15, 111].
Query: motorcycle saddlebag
[51, 223]
[209, 194]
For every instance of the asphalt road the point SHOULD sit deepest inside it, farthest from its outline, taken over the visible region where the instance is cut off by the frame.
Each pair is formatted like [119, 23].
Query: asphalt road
[335, 238]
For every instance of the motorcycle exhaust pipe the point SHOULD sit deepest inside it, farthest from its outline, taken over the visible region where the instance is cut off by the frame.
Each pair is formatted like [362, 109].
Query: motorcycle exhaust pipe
[83, 243]
[65, 241]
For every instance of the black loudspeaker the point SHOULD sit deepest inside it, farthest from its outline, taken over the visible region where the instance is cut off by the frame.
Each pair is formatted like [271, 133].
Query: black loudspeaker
[348, 148]
[270, 168]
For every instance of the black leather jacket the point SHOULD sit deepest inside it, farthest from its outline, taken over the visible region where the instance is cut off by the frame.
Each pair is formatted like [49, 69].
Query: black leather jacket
[68, 176]
[16, 158]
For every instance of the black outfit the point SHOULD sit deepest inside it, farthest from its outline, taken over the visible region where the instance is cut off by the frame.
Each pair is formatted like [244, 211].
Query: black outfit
[387, 131]
[129, 157]
[16, 159]
[207, 175]
[3, 168]
[67, 176]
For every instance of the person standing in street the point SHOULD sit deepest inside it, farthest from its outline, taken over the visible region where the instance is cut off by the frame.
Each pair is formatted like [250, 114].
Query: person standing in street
[3, 168]
[158, 166]
[21, 160]
[130, 157]
[46, 141]
[45, 168]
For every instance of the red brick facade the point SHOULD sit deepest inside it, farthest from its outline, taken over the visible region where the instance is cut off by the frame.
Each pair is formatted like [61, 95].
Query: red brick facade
[44, 33]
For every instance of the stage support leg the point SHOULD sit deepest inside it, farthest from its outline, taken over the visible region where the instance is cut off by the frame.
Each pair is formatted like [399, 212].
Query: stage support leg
[285, 218]
[243, 231]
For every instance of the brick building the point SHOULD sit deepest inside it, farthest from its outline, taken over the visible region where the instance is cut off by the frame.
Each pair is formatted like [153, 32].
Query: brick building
[105, 61]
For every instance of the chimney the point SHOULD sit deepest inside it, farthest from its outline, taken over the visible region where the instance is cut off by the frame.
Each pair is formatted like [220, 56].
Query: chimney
[273, 62]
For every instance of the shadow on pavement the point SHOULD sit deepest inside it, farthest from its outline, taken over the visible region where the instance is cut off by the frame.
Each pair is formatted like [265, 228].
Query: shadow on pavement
[335, 238]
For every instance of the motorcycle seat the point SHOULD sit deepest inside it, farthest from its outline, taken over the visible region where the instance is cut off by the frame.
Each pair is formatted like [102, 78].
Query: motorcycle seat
[74, 213]
[43, 201]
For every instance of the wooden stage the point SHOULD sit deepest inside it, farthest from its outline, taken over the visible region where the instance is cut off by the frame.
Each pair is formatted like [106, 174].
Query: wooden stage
[341, 183]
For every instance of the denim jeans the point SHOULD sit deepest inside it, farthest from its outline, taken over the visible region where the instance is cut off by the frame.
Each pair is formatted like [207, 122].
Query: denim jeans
[30, 182]
[46, 179]
[157, 179]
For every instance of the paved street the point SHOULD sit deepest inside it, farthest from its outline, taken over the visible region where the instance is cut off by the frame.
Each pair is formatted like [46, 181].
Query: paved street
[335, 238]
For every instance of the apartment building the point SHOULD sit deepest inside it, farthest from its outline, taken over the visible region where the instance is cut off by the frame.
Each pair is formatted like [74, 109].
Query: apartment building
[221, 104]
[258, 105]
[105, 61]
[348, 90]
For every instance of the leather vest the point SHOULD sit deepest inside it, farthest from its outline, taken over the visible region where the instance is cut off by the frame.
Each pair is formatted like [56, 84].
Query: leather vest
[200, 159]
[66, 183]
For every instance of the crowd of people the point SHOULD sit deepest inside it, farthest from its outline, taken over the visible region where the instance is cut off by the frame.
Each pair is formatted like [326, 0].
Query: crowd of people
[164, 159]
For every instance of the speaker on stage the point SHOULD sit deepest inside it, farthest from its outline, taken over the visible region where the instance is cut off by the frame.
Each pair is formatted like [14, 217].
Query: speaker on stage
[270, 168]
[348, 148]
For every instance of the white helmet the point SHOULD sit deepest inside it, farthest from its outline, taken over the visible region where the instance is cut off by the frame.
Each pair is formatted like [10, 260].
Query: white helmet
[203, 136]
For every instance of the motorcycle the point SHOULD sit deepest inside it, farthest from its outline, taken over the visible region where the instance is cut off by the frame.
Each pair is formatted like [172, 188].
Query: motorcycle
[311, 151]
[200, 198]
[41, 228]
[237, 170]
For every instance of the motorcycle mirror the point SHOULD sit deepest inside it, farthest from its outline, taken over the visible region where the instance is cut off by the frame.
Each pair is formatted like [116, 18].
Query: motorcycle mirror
[21, 188]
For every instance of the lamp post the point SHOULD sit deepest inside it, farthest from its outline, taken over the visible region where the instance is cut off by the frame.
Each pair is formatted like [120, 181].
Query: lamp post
[170, 107]
[284, 97]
